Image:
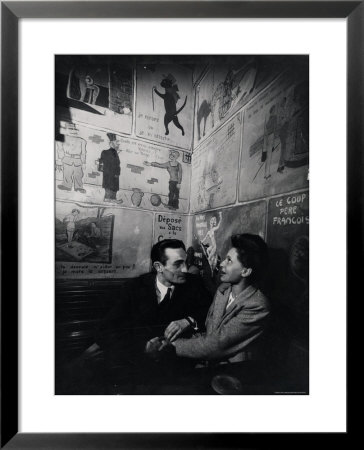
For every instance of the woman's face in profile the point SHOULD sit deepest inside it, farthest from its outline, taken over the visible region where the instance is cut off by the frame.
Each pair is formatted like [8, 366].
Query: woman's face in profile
[231, 268]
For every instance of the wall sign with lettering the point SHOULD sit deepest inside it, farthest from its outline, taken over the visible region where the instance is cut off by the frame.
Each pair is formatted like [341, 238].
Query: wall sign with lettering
[288, 239]
[170, 226]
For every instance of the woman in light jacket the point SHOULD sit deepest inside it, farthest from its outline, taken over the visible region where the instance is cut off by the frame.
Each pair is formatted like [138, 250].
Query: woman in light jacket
[237, 318]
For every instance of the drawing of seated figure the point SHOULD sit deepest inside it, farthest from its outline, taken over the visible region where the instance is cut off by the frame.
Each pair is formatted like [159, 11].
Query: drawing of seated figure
[91, 235]
[210, 249]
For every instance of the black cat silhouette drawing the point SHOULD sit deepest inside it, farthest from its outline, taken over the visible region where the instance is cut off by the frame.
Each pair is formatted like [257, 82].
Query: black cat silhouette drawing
[171, 98]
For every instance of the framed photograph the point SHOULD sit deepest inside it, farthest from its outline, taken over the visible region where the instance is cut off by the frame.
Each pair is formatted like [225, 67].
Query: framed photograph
[192, 159]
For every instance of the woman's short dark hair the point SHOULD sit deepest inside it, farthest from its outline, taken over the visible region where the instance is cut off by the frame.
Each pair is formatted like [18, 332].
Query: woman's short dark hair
[252, 253]
[158, 250]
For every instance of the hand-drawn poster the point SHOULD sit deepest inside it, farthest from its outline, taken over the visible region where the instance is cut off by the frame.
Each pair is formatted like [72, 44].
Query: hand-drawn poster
[275, 139]
[212, 231]
[287, 280]
[97, 90]
[164, 111]
[107, 169]
[228, 85]
[70, 159]
[288, 240]
[215, 168]
[83, 234]
[97, 242]
[170, 226]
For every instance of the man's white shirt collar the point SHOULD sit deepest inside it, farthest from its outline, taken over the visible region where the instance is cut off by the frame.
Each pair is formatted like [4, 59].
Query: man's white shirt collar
[162, 290]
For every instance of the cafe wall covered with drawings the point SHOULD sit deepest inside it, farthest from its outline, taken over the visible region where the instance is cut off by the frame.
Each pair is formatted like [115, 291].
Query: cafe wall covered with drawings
[235, 130]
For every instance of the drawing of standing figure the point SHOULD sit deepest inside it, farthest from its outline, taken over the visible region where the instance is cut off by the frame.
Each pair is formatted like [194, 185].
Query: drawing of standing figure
[70, 221]
[269, 136]
[71, 156]
[283, 123]
[210, 250]
[175, 173]
[109, 165]
[170, 98]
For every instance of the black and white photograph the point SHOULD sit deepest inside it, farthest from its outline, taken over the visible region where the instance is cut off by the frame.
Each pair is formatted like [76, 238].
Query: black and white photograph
[181, 224]
[181, 213]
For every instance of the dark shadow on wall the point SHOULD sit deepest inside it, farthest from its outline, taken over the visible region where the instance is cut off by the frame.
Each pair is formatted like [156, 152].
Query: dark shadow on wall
[288, 334]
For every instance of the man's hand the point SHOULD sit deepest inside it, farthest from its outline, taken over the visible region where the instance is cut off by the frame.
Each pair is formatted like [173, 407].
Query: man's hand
[175, 329]
[153, 346]
[159, 347]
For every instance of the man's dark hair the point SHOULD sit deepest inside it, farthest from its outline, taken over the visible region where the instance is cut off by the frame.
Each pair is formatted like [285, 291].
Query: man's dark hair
[252, 253]
[158, 249]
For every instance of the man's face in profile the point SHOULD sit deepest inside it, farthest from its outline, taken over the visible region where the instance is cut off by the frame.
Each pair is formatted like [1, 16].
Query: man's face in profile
[174, 270]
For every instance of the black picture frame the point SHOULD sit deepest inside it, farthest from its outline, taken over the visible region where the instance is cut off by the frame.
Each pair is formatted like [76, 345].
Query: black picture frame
[11, 12]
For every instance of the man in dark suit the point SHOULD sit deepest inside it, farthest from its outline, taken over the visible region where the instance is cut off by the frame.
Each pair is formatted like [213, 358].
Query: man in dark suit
[166, 302]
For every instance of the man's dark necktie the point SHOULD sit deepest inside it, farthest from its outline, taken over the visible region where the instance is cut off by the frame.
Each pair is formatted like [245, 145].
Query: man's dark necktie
[164, 310]
[167, 296]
